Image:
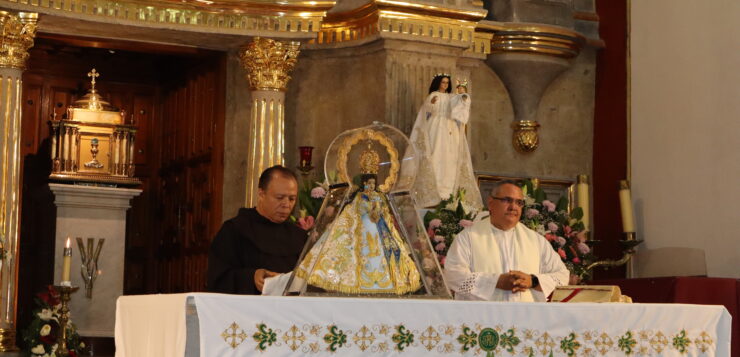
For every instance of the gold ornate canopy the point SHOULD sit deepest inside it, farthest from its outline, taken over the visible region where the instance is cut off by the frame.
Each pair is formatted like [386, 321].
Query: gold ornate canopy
[93, 143]
[368, 136]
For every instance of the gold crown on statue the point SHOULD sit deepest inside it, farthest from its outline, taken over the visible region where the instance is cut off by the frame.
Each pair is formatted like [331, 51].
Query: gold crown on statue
[463, 83]
[369, 160]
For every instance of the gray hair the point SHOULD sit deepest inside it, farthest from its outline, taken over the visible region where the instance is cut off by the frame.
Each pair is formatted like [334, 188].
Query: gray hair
[497, 186]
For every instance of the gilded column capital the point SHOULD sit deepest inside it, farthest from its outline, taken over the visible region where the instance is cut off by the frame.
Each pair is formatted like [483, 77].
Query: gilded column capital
[18, 32]
[268, 63]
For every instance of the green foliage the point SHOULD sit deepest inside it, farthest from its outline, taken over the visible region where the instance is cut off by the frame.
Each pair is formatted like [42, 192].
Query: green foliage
[452, 214]
[563, 229]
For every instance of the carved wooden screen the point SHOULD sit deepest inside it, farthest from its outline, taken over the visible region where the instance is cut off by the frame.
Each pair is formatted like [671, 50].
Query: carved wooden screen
[190, 176]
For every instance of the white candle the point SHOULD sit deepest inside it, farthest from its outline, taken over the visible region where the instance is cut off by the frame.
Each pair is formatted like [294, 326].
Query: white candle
[583, 201]
[625, 202]
[66, 264]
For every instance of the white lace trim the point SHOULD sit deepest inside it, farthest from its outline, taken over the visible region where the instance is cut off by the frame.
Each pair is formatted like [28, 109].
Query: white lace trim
[469, 283]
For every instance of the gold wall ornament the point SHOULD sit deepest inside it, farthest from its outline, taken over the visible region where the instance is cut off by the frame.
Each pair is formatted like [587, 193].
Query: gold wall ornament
[525, 138]
[93, 144]
[533, 38]
[18, 32]
[268, 63]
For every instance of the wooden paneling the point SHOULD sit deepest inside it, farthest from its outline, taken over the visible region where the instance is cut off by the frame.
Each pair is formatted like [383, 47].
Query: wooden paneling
[190, 176]
[176, 101]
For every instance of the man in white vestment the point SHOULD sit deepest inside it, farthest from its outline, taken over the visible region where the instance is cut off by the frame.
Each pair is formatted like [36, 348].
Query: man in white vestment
[500, 259]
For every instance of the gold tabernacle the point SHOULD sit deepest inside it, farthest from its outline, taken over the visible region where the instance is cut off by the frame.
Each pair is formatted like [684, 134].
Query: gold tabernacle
[93, 143]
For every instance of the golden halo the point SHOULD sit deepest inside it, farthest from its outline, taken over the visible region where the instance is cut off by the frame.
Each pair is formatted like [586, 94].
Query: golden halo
[356, 138]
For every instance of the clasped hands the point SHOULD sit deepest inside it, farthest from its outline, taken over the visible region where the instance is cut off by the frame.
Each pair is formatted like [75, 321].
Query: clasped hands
[514, 281]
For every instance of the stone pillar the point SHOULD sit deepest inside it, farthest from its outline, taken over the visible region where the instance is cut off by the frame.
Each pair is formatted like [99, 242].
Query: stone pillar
[268, 64]
[93, 212]
[18, 31]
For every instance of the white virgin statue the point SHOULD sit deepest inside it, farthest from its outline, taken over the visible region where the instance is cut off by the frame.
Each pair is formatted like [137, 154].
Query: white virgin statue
[439, 135]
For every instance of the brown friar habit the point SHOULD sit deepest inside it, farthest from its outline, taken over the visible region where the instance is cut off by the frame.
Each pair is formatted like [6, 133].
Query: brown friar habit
[249, 242]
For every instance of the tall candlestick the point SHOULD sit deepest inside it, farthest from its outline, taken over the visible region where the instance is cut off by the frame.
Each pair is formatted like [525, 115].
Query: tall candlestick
[625, 202]
[583, 201]
[66, 264]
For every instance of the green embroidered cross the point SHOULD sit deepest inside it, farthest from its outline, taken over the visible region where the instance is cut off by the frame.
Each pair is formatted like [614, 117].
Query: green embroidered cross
[468, 339]
[626, 343]
[264, 337]
[402, 338]
[508, 340]
[569, 345]
[335, 338]
[681, 342]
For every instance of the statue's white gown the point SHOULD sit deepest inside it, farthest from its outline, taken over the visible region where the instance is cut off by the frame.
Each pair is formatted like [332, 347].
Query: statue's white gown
[439, 137]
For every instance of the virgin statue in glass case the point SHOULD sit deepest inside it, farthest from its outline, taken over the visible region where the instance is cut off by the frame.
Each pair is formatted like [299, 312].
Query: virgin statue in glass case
[368, 239]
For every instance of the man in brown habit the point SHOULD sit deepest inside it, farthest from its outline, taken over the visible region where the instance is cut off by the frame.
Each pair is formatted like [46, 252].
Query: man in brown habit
[259, 242]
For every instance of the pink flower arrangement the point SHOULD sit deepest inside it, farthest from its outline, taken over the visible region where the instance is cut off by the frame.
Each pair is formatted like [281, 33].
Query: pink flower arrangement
[564, 230]
[448, 219]
[531, 213]
[465, 223]
[318, 192]
[306, 223]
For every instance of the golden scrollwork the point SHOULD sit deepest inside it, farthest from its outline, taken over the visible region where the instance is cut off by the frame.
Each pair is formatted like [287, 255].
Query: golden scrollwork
[369, 134]
[269, 63]
[227, 16]
[525, 138]
[17, 37]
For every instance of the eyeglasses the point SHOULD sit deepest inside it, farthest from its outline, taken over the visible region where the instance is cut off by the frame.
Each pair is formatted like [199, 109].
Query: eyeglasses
[509, 200]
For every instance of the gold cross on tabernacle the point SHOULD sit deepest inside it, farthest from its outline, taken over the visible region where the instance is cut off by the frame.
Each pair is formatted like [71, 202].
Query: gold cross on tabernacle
[233, 336]
[93, 74]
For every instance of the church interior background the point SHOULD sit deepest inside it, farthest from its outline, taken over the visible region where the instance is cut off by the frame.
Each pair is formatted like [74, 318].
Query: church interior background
[210, 84]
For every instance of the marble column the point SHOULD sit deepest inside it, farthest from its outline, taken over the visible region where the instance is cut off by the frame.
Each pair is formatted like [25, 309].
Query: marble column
[18, 31]
[93, 212]
[268, 64]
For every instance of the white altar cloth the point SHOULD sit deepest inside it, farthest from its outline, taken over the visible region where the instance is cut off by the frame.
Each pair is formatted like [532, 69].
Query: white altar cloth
[231, 325]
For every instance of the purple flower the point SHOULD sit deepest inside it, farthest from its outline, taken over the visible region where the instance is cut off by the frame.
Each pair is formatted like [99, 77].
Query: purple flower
[561, 240]
[465, 223]
[549, 205]
[440, 247]
[318, 192]
[531, 213]
[435, 223]
[438, 239]
[552, 227]
[583, 248]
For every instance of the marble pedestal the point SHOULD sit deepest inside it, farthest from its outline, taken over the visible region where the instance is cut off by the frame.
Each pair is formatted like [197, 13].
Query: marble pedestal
[93, 212]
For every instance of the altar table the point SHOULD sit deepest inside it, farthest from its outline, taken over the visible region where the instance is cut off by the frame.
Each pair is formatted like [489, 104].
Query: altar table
[201, 324]
[687, 290]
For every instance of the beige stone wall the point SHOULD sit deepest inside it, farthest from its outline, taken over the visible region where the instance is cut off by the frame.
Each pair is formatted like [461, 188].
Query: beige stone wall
[236, 133]
[337, 89]
[565, 114]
